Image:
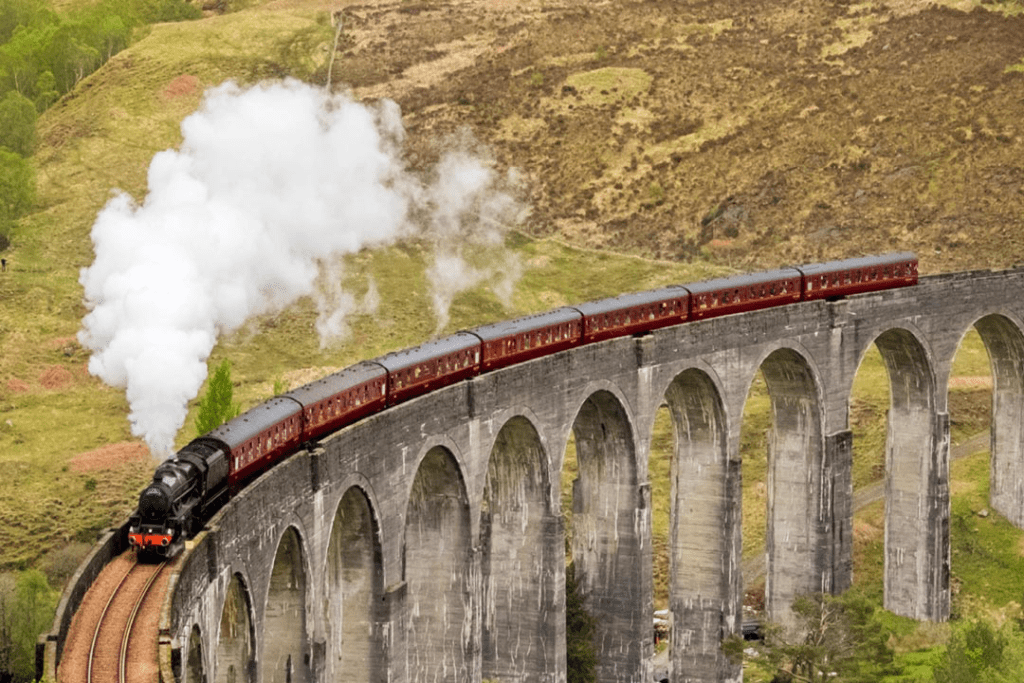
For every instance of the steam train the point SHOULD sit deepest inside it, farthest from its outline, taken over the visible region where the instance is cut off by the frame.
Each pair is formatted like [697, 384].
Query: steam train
[189, 488]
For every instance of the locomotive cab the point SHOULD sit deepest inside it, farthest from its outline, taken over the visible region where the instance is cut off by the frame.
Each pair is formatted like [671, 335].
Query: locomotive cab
[184, 491]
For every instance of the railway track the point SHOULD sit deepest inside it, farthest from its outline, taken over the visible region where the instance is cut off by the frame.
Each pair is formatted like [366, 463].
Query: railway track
[112, 643]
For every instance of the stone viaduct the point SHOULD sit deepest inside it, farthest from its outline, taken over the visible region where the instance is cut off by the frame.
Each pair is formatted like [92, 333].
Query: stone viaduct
[428, 543]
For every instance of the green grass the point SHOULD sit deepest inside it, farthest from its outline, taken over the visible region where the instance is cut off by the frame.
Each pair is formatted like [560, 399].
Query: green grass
[869, 401]
[987, 551]
[757, 422]
[660, 473]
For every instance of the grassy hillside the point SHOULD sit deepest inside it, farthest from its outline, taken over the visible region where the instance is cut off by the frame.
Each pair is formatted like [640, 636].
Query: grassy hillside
[658, 142]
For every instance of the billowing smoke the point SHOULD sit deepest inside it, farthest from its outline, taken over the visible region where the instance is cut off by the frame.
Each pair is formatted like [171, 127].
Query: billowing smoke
[467, 222]
[270, 188]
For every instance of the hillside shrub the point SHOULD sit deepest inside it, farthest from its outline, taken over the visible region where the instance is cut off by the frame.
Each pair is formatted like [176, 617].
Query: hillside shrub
[981, 653]
[27, 605]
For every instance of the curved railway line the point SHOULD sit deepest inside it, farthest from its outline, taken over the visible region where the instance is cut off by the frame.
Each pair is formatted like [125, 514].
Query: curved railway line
[112, 638]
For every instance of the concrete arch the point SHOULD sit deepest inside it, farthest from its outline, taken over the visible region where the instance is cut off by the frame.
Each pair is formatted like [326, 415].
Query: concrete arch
[236, 656]
[621, 398]
[439, 572]
[195, 668]
[1005, 345]
[545, 441]
[286, 653]
[610, 517]
[704, 564]
[353, 606]
[796, 523]
[916, 482]
[522, 557]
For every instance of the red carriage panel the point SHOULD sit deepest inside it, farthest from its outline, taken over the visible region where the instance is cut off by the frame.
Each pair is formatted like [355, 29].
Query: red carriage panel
[515, 341]
[742, 293]
[854, 276]
[634, 313]
[429, 366]
[341, 398]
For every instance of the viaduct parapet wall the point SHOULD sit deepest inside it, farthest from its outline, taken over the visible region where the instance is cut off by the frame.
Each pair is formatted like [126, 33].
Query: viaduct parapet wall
[428, 543]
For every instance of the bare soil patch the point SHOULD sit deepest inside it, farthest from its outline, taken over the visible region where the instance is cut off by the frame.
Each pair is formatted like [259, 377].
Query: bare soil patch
[56, 377]
[17, 386]
[110, 457]
[181, 86]
[864, 532]
[984, 382]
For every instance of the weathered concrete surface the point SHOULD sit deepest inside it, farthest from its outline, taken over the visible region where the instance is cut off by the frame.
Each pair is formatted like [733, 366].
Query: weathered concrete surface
[427, 543]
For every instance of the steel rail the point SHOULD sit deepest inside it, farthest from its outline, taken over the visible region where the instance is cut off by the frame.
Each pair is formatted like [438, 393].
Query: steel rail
[122, 670]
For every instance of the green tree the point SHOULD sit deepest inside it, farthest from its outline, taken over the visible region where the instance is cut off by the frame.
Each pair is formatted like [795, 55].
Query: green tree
[17, 187]
[834, 638]
[980, 653]
[27, 605]
[21, 56]
[216, 407]
[15, 13]
[46, 91]
[580, 657]
[18, 124]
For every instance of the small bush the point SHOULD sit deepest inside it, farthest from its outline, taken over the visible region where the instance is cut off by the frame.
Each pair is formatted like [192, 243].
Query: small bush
[580, 656]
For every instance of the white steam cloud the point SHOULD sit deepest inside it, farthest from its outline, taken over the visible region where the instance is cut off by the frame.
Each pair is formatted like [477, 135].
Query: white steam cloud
[270, 188]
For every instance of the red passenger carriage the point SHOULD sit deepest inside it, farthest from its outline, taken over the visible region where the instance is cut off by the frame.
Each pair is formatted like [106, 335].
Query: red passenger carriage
[431, 365]
[634, 313]
[259, 437]
[855, 276]
[341, 398]
[742, 293]
[515, 341]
